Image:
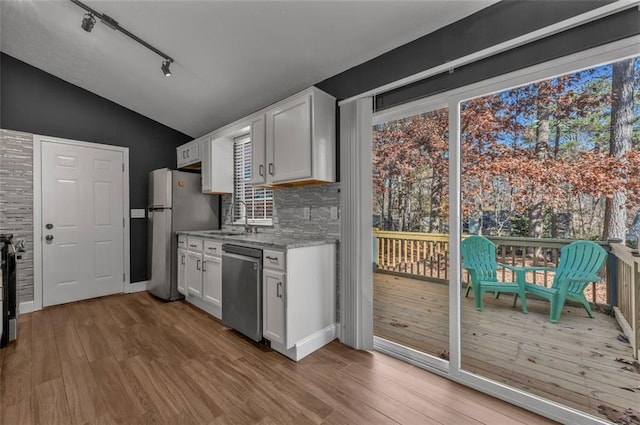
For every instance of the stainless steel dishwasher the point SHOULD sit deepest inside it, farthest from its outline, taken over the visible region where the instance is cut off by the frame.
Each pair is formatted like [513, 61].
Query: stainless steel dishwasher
[242, 289]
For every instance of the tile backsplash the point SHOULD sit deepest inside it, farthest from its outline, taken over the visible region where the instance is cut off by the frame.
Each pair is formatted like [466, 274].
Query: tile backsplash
[289, 204]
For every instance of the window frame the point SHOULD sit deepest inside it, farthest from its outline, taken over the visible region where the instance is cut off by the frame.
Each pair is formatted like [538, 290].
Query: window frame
[241, 207]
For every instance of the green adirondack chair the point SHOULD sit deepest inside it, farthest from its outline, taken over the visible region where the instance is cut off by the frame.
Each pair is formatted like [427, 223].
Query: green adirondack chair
[580, 262]
[479, 259]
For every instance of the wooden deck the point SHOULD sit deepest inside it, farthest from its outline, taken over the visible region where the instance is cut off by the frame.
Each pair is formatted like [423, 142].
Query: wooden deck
[575, 362]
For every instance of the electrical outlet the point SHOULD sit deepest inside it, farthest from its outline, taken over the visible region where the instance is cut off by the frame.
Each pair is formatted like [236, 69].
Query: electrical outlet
[334, 213]
[306, 213]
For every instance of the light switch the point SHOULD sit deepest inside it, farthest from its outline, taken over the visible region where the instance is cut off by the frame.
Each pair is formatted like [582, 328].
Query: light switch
[306, 213]
[334, 213]
[138, 213]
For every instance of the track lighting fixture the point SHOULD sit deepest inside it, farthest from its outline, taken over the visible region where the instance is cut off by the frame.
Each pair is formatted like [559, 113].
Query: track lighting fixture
[165, 68]
[89, 21]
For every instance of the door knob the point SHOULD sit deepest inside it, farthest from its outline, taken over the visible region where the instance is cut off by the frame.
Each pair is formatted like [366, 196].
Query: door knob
[49, 226]
[49, 238]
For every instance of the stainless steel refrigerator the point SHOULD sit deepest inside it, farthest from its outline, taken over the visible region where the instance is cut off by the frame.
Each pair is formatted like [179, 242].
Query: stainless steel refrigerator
[176, 203]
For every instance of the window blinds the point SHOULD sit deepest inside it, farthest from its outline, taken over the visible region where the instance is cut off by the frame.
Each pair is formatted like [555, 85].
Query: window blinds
[258, 202]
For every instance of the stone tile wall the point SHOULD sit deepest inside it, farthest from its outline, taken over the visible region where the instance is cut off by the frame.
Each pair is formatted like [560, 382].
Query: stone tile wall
[288, 211]
[16, 201]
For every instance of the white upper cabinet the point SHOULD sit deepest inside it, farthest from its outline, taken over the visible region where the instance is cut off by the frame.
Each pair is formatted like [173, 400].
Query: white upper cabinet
[189, 154]
[258, 150]
[217, 165]
[293, 142]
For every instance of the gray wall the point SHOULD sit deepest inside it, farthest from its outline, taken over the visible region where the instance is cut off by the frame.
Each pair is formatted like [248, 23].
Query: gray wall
[33, 101]
[16, 201]
[498, 23]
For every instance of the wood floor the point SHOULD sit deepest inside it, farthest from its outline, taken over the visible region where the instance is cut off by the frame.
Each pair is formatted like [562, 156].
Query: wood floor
[578, 362]
[130, 359]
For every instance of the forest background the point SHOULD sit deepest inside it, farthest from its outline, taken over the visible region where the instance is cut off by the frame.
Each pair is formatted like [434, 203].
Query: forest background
[558, 158]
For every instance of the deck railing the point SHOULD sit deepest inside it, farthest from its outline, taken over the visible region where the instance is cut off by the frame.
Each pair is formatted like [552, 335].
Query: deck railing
[627, 310]
[426, 255]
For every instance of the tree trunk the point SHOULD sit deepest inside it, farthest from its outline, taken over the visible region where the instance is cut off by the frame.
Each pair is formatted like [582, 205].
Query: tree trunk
[543, 136]
[389, 218]
[615, 215]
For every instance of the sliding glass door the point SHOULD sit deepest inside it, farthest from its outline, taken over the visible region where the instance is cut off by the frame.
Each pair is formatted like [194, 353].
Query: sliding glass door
[410, 240]
[485, 199]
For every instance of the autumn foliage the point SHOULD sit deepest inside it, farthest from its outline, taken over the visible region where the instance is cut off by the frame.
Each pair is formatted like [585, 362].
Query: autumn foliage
[544, 146]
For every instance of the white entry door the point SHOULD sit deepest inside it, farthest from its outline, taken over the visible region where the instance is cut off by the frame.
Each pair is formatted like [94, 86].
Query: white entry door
[82, 222]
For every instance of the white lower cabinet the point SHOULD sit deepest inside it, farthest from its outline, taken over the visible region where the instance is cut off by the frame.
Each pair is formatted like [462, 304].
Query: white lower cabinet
[298, 291]
[182, 268]
[299, 302]
[273, 305]
[200, 277]
[212, 280]
[194, 273]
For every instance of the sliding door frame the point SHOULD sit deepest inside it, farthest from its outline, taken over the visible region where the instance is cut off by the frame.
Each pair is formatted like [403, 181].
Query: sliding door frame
[594, 57]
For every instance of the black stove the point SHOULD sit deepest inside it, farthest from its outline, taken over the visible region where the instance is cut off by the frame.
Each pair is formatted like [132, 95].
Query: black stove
[9, 299]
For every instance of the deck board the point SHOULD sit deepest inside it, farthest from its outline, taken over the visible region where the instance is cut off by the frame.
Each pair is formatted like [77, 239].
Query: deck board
[572, 362]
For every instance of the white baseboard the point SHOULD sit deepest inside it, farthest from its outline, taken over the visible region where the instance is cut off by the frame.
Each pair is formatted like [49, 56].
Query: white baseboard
[135, 287]
[27, 307]
[308, 345]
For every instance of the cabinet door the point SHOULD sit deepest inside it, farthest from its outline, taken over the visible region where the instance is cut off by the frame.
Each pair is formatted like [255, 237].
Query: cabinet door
[194, 273]
[181, 158]
[182, 268]
[289, 141]
[188, 153]
[258, 152]
[217, 165]
[274, 306]
[206, 166]
[212, 280]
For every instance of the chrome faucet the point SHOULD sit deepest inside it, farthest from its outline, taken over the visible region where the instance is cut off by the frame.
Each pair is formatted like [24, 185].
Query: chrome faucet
[247, 228]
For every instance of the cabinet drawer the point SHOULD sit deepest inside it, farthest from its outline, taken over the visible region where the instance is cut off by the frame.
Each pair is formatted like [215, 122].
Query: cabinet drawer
[194, 244]
[213, 248]
[182, 242]
[273, 260]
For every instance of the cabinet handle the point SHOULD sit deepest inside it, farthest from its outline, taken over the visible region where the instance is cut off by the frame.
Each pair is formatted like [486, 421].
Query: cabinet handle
[212, 248]
[197, 264]
[182, 261]
[279, 290]
[268, 257]
[184, 154]
[193, 246]
[261, 170]
[271, 168]
[204, 266]
[188, 155]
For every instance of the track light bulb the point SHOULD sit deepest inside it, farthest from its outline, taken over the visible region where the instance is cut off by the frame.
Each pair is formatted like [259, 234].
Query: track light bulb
[88, 22]
[165, 68]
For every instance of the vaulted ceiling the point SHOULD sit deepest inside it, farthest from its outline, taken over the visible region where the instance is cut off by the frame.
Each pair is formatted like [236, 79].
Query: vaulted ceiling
[231, 57]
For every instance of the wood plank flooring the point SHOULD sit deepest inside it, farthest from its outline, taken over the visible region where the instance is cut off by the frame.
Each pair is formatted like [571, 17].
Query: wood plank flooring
[133, 360]
[573, 362]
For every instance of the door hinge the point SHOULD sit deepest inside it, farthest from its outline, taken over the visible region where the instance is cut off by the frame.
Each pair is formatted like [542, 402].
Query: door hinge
[124, 277]
[123, 221]
[123, 167]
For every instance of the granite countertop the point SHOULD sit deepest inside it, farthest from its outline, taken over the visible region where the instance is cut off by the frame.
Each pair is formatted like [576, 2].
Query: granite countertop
[259, 240]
